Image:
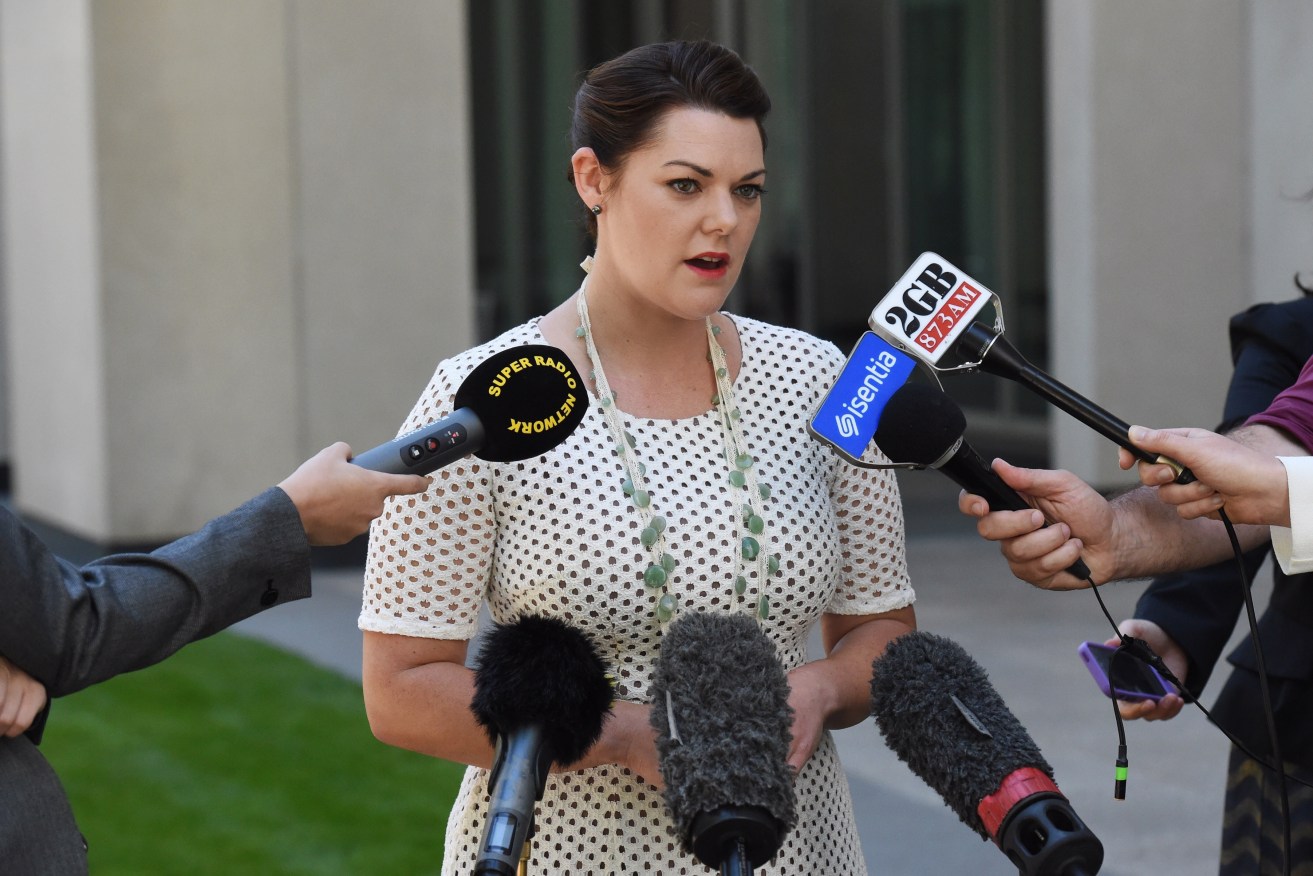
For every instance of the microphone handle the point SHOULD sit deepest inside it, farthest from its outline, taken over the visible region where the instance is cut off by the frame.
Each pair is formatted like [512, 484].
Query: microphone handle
[515, 785]
[428, 448]
[1000, 358]
[736, 863]
[971, 473]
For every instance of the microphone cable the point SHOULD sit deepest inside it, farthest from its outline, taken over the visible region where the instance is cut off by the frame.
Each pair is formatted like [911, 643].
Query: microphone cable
[1140, 650]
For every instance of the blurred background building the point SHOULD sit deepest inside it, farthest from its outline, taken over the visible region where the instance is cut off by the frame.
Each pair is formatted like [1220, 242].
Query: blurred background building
[236, 230]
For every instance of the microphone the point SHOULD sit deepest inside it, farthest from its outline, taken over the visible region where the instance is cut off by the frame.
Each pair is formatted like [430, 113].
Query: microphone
[999, 357]
[542, 693]
[720, 707]
[934, 308]
[936, 709]
[924, 426]
[515, 404]
[848, 415]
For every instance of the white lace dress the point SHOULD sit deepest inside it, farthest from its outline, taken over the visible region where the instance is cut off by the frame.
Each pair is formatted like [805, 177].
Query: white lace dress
[555, 535]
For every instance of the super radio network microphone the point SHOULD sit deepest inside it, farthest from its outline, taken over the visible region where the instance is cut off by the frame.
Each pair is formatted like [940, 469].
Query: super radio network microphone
[934, 307]
[720, 707]
[938, 712]
[515, 404]
[542, 692]
[922, 425]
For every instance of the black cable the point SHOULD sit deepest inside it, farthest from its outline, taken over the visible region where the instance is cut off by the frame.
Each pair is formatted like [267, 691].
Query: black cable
[1140, 649]
[1268, 713]
[1123, 764]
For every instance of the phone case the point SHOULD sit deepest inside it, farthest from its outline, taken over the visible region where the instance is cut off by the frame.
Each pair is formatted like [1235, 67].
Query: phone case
[1135, 680]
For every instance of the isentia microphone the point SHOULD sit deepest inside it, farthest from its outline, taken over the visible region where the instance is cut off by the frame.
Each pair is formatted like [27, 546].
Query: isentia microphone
[720, 708]
[514, 405]
[936, 709]
[542, 692]
[847, 417]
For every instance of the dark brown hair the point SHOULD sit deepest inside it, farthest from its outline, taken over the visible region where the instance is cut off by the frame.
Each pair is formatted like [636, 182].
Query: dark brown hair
[620, 103]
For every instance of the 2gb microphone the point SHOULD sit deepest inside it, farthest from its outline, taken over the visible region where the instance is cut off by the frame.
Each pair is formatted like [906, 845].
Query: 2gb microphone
[935, 308]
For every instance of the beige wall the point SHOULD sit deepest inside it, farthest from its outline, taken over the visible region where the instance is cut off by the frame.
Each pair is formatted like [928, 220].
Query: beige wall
[1281, 95]
[244, 234]
[56, 365]
[1149, 121]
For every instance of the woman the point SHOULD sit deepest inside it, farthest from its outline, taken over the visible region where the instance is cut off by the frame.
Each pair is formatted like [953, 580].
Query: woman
[719, 502]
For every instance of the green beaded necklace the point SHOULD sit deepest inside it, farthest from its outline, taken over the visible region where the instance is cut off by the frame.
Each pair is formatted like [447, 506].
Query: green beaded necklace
[752, 561]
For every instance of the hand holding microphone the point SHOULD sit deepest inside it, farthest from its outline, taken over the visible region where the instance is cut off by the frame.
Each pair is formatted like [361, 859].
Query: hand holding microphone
[922, 425]
[1251, 484]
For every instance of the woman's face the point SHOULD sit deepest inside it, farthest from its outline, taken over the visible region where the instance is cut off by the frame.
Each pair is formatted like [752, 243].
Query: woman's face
[678, 220]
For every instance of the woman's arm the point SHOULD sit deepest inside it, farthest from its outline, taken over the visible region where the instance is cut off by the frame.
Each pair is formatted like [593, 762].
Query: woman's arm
[418, 694]
[835, 691]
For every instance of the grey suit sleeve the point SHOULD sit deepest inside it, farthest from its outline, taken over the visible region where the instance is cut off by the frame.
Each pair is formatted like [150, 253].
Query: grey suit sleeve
[72, 627]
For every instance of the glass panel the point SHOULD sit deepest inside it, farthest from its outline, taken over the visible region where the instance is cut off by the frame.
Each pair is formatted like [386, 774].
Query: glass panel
[897, 127]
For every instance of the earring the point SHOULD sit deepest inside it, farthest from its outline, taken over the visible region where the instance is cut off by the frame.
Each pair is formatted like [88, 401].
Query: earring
[597, 209]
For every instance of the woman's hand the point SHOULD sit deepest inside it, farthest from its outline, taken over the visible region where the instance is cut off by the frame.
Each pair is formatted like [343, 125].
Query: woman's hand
[812, 702]
[835, 692]
[628, 740]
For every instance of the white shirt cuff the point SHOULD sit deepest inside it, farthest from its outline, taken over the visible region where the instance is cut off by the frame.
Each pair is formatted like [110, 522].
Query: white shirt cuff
[1293, 546]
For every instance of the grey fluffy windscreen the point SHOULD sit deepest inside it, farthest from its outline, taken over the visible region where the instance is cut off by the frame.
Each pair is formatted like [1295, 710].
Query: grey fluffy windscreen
[912, 687]
[731, 706]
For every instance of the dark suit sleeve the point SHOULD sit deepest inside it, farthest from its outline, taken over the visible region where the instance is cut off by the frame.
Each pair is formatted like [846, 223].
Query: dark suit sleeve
[1269, 345]
[72, 627]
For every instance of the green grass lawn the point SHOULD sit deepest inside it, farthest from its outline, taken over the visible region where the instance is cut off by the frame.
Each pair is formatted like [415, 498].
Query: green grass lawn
[235, 757]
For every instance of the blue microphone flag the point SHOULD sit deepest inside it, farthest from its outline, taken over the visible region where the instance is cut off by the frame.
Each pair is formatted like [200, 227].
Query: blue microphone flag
[848, 415]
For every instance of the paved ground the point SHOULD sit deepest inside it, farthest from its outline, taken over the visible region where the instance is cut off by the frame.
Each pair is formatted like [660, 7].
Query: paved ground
[1026, 639]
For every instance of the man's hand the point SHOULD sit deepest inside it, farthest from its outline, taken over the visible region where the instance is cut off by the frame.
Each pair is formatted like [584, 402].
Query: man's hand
[1173, 656]
[337, 500]
[21, 699]
[1082, 527]
[1249, 483]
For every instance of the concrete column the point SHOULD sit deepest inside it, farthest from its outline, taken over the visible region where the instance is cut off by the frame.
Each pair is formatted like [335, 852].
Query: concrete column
[52, 263]
[236, 231]
[1281, 196]
[384, 208]
[1149, 182]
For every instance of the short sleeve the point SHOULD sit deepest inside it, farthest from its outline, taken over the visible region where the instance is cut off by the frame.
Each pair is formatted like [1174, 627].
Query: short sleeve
[873, 562]
[430, 555]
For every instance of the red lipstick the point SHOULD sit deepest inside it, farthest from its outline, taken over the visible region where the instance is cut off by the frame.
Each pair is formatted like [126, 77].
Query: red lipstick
[709, 264]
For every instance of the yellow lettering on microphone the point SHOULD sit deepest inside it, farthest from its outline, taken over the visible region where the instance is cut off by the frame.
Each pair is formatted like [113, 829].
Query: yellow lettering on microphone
[499, 381]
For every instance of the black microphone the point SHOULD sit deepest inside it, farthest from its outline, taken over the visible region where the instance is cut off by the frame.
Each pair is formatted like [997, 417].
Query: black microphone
[999, 357]
[922, 425]
[542, 693]
[515, 404]
[936, 709]
[720, 707]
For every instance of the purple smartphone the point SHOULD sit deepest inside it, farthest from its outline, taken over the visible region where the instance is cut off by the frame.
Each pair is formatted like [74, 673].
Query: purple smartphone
[1131, 680]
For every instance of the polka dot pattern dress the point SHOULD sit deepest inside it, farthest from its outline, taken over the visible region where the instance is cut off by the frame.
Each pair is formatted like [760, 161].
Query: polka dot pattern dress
[555, 535]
